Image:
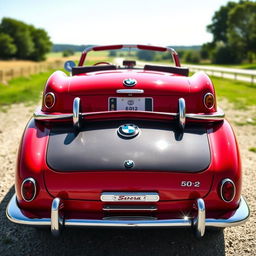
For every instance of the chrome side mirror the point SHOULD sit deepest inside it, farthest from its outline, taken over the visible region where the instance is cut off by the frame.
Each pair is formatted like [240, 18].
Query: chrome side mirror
[69, 65]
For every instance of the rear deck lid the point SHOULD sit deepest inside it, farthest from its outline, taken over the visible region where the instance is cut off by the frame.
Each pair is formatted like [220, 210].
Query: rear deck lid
[93, 159]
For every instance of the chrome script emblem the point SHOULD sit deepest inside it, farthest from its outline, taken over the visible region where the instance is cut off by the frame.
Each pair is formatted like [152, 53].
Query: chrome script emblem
[128, 130]
[129, 197]
[129, 82]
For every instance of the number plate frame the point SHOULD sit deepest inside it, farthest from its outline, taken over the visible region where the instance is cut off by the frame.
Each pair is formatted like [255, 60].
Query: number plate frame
[113, 103]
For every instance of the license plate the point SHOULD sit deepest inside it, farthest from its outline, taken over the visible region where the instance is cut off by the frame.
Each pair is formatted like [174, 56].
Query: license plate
[129, 197]
[130, 103]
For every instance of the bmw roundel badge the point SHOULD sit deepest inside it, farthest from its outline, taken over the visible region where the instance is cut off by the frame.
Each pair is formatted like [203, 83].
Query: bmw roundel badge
[128, 130]
[129, 82]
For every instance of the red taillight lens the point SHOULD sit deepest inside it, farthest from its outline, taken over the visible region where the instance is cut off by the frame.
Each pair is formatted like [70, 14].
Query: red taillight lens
[28, 189]
[209, 100]
[49, 99]
[227, 190]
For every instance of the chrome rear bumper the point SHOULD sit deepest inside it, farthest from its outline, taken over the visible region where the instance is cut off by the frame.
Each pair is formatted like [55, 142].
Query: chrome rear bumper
[199, 223]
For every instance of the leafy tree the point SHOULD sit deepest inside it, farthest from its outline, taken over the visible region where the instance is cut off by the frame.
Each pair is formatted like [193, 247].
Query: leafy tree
[21, 35]
[242, 28]
[219, 25]
[30, 42]
[42, 44]
[7, 48]
[234, 32]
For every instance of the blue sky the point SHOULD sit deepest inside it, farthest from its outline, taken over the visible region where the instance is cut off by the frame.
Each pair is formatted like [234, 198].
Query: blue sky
[160, 22]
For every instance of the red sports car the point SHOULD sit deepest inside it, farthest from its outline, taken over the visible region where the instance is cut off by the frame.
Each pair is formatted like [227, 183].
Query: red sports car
[123, 146]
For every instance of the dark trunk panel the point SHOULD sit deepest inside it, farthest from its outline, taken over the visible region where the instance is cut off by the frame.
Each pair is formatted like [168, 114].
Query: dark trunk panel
[158, 147]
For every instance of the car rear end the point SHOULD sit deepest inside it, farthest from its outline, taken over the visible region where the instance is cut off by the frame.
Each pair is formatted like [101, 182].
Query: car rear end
[89, 158]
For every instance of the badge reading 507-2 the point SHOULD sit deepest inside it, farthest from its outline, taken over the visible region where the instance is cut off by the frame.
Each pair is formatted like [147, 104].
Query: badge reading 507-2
[195, 184]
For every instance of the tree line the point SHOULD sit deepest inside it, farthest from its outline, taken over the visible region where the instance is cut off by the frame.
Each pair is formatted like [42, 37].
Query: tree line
[234, 34]
[22, 41]
[234, 37]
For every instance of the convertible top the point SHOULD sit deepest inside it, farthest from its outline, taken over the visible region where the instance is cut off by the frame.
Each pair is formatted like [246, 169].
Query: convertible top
[175, 70]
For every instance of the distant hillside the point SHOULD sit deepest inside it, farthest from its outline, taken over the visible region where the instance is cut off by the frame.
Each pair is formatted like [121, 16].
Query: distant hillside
[182, 47]
[80, 48]
[64, 47]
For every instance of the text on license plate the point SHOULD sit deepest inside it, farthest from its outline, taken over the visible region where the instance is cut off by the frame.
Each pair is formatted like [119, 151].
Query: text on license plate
[130, 103]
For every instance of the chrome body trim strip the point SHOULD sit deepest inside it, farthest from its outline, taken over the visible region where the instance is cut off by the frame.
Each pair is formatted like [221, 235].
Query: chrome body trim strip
[55, 217]
[182, 113]
[241, 214]
[133, 91]
[41, 116]
[141, 196]
[216, 116]
[14, 214]
[76, 112]
[149, 208]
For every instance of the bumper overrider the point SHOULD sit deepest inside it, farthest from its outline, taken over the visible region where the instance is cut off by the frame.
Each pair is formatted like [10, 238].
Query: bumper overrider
[198, 223]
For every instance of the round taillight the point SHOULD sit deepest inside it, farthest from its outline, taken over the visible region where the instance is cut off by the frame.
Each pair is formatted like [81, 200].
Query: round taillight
[49, 100]
[28, 189]
[227, 190]
[209, 100]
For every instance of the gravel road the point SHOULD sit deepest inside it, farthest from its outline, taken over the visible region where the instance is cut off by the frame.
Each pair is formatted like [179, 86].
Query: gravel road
[22, 240]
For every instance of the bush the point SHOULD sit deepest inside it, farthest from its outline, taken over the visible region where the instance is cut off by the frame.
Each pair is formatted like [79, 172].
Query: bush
[67, 53]
[30, 43]
[192, 57]
[7, 48]
[112, 53]
[225, 55]
[146, 55]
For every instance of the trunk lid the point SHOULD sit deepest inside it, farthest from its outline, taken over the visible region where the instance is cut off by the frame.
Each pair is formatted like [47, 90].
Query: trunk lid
[86, 163]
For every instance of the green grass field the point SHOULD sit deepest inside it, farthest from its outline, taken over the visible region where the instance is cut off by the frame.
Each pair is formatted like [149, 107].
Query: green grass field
[242, 94]
[27, 90]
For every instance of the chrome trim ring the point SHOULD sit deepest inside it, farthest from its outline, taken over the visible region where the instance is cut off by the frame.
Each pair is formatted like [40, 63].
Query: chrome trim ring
[129, 82]
[128, 131]
[129, 164]
[34, 183]
[54, 99]
[213, 100]
[76, 112]
[222, 184]
[182, 113]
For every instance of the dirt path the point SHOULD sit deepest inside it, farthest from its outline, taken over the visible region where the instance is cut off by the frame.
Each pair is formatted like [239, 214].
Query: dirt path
[22, 240]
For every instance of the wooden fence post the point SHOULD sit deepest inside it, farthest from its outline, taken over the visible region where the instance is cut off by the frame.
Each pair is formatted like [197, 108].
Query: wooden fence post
[1, 76]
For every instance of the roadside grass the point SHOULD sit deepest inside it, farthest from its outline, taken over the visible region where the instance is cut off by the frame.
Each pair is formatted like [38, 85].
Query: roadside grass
[23, 89]
[253, 149]
[241, 94]
[239, 66]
